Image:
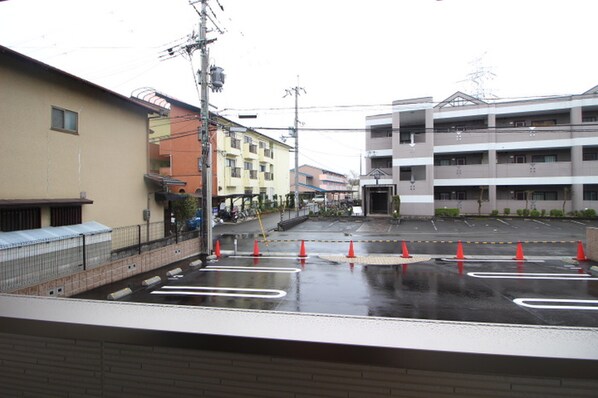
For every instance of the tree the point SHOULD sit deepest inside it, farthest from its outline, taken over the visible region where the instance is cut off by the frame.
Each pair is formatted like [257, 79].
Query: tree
[480, 199]
[566, 191]
[396, 206]
[184, 209]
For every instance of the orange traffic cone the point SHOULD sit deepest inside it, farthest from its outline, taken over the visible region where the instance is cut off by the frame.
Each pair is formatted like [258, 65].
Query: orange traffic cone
[217, 249]
[256, 249]
[519, 254]
[459, 255]
[302, 251]
[581, 255]
[351, 251]
[405, 251]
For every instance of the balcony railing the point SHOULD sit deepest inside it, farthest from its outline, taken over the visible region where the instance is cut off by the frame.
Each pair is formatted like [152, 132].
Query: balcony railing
[235, 172]
[253, 174]
[235, 143]
[268, 176]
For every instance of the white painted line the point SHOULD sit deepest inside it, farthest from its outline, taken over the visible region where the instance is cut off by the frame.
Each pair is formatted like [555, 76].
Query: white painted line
[279, 270]
[504, 222]
[272, 257]
[468, 224]
[540, 222]
[565, 304]
[219, 291]
[577, 222]
[523, 275]
[434, 225]
[490, 260]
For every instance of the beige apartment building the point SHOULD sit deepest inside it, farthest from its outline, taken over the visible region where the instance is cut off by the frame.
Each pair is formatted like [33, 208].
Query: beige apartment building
[71, 151]
[478, 156]
[315, 181]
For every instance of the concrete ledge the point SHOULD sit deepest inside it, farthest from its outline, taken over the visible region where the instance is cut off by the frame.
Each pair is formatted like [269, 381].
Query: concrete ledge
[151, 281]
[174, 272]
[120, 294]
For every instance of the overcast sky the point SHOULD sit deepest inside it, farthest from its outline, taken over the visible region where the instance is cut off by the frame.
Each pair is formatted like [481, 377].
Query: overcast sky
[352, 57]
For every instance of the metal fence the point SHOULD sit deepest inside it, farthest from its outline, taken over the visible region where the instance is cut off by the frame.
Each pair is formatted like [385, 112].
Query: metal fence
[23, 265]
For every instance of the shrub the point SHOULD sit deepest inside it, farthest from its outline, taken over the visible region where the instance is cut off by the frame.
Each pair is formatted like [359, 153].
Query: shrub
[534, 213]
[447, 212]
[519, 212]
[494, 213]
[588, 213]
[506, 211]
[573, 213]
[556, 213]
[396, 206]
[543, 213]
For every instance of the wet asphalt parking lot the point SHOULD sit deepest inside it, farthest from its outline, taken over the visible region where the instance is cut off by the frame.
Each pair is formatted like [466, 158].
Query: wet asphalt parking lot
[548, 287]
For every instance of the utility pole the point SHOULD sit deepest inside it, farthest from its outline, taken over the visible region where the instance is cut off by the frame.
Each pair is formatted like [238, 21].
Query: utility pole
[296, 91]
[206, 150]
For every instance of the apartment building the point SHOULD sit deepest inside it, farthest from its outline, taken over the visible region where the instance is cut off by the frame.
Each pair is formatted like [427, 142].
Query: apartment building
[478, 156]
[71, 151]
[245, 163]
[313, 181]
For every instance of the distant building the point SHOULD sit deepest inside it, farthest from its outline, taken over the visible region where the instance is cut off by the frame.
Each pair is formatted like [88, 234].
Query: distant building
[71, 151]
[247, 166]
[315, 181]
[476, 156]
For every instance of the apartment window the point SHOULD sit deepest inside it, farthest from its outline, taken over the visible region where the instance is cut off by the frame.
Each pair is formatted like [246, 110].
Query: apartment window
[248, 166]
[247, 139]
[231, 163]
[547, 195]
[544, 123]
[64, 120]
[248, 191]
[262, 168]
[461, 195]
[405, 138]
[519, 123]
[444, 196]
[590, 195]
[460, 161]
[444, 162]
[381, 132]
[588, 119]
[590, 156]
[385, 162]
[519, 195]
[262, 144]
[519, 159]
[20, 219]
[543, 158]
[67, 215]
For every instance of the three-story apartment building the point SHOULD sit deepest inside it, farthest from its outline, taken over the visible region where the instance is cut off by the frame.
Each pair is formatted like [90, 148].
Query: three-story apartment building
[478, 157]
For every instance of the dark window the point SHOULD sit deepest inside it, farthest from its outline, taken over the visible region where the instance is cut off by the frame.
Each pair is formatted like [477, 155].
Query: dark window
[519, 123]
[590, 156]
[544, 123]
[548, 195]
[543, 158]
[588, 119]
[444, 196]
[67, 215]
[65, 120]
[460, 161]
[444, 162]
[520, 195]
[519, 159]
[461, 195]
[20, 219]
[590, 195]
[381, 132]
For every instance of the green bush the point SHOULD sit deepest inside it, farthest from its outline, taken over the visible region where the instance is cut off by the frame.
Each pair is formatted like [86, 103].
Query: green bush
[543, 213]
[520, 212]
[447, 212]
[396, 206]
[556, 213]
[506, 211]
[494, 213]
[574, 213]
[588, 213]
[534, 213]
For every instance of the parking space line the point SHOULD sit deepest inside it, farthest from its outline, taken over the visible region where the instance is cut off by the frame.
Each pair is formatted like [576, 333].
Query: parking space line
[522, 275]
[279, 270]
[577, 222]
[558, 304]
[540, 222]
[502, 221]
[434, 225]
[468, 224]
[273, 257]
[219, 291]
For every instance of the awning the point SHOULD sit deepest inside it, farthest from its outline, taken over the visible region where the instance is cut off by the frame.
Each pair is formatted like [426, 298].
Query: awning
[44, 202]
[163, 181]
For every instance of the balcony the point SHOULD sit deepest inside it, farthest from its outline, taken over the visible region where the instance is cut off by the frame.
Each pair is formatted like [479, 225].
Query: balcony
[551, 169]
[250, 178]
[462, 171]
[266, 155]
[266, 179]
[232, 146]
[250, 151]
[232, 176]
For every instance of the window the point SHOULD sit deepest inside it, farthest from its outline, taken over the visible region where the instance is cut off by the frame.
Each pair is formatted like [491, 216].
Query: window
[262, 168]
[405, 138]
[247, 139]
[590, 156]
[543, 158]
[20, 219]
[68, 215]
[248, 191]
[381, 132]
[544, 123]
[460, 161]
[64, 120]
[444, 196]
[231, 163]
[519, 159]
[590, 195]
[519, 123]
[519, 195]
[461, 195]
[248, 165]
[588, 119]
[548, 195]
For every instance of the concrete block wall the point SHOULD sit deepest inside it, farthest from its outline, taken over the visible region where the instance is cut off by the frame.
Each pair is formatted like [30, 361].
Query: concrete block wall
[70, 367]
[592, 243]
[114, 271]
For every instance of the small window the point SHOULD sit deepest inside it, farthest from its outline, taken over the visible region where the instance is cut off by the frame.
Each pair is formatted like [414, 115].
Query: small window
[544, 123]
[590, 156]
[248, 166]
[20, 218]
[519, 159]
[543, 158]
[460, 161]
[231, 163]
[444, 162]
[461, 195]
[588, 119]
[519, 123]
[590, 195]
[247, 139]
[444, 196]
[64, 120]
[67, 215]
[520, 195]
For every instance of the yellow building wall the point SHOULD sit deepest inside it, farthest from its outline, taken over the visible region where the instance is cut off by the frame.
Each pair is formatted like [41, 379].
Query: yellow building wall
[105, 161]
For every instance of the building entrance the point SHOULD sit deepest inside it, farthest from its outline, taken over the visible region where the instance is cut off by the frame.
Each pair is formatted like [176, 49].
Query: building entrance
[379, 200]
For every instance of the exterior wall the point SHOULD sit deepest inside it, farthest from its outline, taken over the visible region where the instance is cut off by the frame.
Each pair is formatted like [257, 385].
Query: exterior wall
[592, 244]
[94, 367]
[115, 271]
[319, 178]
[104, 162]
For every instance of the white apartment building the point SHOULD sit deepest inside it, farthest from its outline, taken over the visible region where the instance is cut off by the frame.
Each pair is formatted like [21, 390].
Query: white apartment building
[478, 157]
